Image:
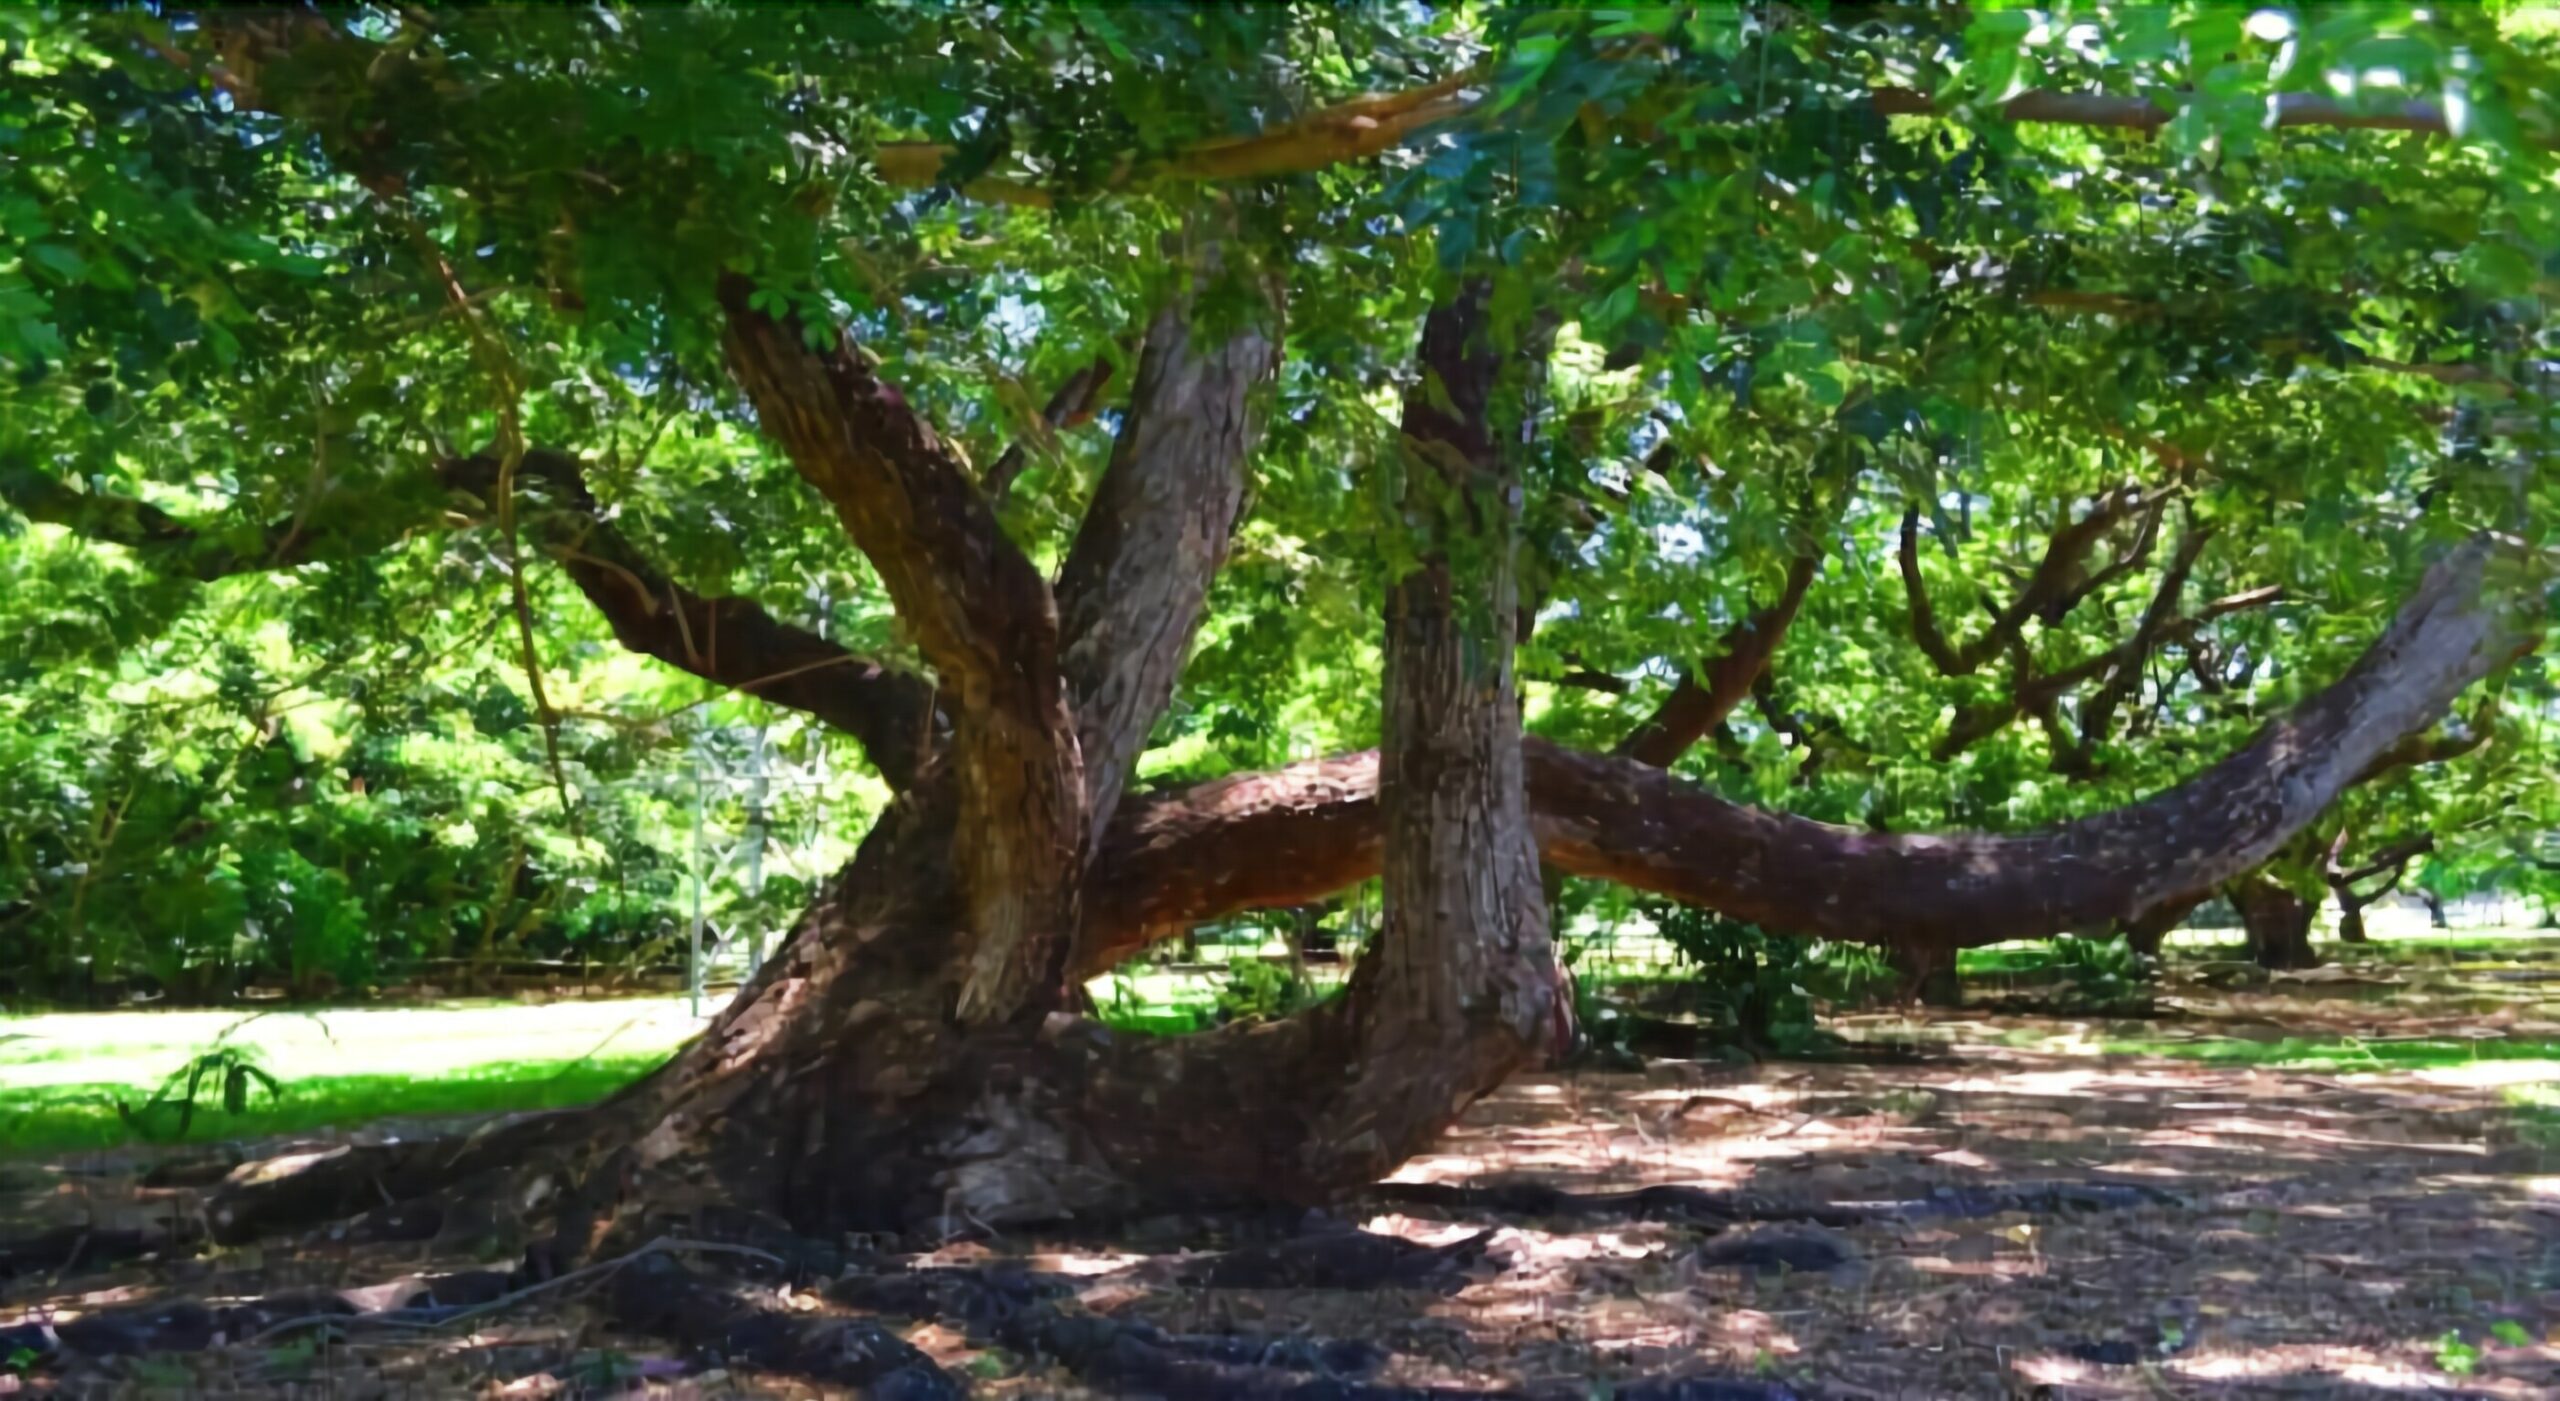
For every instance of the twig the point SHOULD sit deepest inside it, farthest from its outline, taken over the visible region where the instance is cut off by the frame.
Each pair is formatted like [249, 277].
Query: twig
[502, 371]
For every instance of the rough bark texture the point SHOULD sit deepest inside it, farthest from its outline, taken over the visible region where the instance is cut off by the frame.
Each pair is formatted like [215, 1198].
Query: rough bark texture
[840, 1091]
[1612, 819]
[1168, 860]
[1137, 580]
[982, 616]
[1458, 991]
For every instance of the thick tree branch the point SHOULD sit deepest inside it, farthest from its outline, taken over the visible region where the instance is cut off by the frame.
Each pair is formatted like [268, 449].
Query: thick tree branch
[1694, 707]
[727, 640]
[1288, 837]
[980, 613]
[1136, 582]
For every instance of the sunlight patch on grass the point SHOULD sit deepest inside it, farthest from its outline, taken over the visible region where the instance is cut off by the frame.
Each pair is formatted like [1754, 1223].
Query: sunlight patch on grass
[62, 1076]
[62, 1118]
[2345, 1053]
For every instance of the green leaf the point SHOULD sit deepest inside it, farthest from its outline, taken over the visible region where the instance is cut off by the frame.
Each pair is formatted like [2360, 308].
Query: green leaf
[61, 260]
[2500, 269]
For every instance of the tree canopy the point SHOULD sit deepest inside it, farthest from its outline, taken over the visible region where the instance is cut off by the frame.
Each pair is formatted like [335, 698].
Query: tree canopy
[1913, 475]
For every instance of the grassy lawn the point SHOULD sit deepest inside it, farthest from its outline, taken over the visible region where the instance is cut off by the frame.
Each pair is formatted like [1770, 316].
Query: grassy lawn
[62, 1076]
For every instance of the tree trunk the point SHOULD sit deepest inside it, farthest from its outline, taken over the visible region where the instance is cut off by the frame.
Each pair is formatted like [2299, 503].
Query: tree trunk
[2351, 919]
[2146, 932]
[2435, 908]
[842, 1092]
[1926, 974]
[2277, 920]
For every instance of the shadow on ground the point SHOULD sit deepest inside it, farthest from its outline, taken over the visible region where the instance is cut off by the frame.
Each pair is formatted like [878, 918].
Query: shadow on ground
[2323, 1231]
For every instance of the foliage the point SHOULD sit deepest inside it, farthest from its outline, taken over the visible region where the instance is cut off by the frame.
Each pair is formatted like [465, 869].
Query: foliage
[1788, 319]
[233, 1071]
[2106, 976]
[1259, 988]
[1764, 990]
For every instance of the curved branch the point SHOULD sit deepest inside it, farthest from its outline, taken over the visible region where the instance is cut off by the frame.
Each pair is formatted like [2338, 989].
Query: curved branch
[1290, 836]
[728, 640]
[981, 614]
[1696, 707]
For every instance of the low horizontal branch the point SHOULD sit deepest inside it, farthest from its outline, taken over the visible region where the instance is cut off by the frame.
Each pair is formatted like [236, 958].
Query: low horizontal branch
[1294, 835]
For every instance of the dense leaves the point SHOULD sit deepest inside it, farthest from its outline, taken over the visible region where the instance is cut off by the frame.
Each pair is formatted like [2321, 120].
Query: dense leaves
[1826, 283]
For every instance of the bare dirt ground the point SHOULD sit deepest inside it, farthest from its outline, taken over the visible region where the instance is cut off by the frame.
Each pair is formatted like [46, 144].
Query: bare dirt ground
[2382, 1234]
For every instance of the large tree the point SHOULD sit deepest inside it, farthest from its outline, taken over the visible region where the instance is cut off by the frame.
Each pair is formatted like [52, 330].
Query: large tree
[2093, 430]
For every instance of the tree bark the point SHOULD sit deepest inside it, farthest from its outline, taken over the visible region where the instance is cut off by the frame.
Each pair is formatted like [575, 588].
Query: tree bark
[1137, 579]
[981, 615]
[842, 1091]
[1298, 833]
[2146, 932]
[2277, 921]
[1926, 974]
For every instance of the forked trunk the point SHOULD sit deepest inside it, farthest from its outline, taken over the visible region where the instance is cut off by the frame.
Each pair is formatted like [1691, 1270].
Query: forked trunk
[841, 1091]
[2277, 921]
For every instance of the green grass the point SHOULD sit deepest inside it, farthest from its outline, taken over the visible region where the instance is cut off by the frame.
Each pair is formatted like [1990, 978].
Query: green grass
[2396, 940]
[82, 1117]
[2345, 1052]
[62, 1077]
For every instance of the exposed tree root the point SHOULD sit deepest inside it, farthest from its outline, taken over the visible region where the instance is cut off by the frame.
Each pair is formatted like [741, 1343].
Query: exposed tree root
[1700, 1206]
[483, 1188]
[423, 1301]
[1342, 1259]
[1034, 1316]
[658, 1295]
